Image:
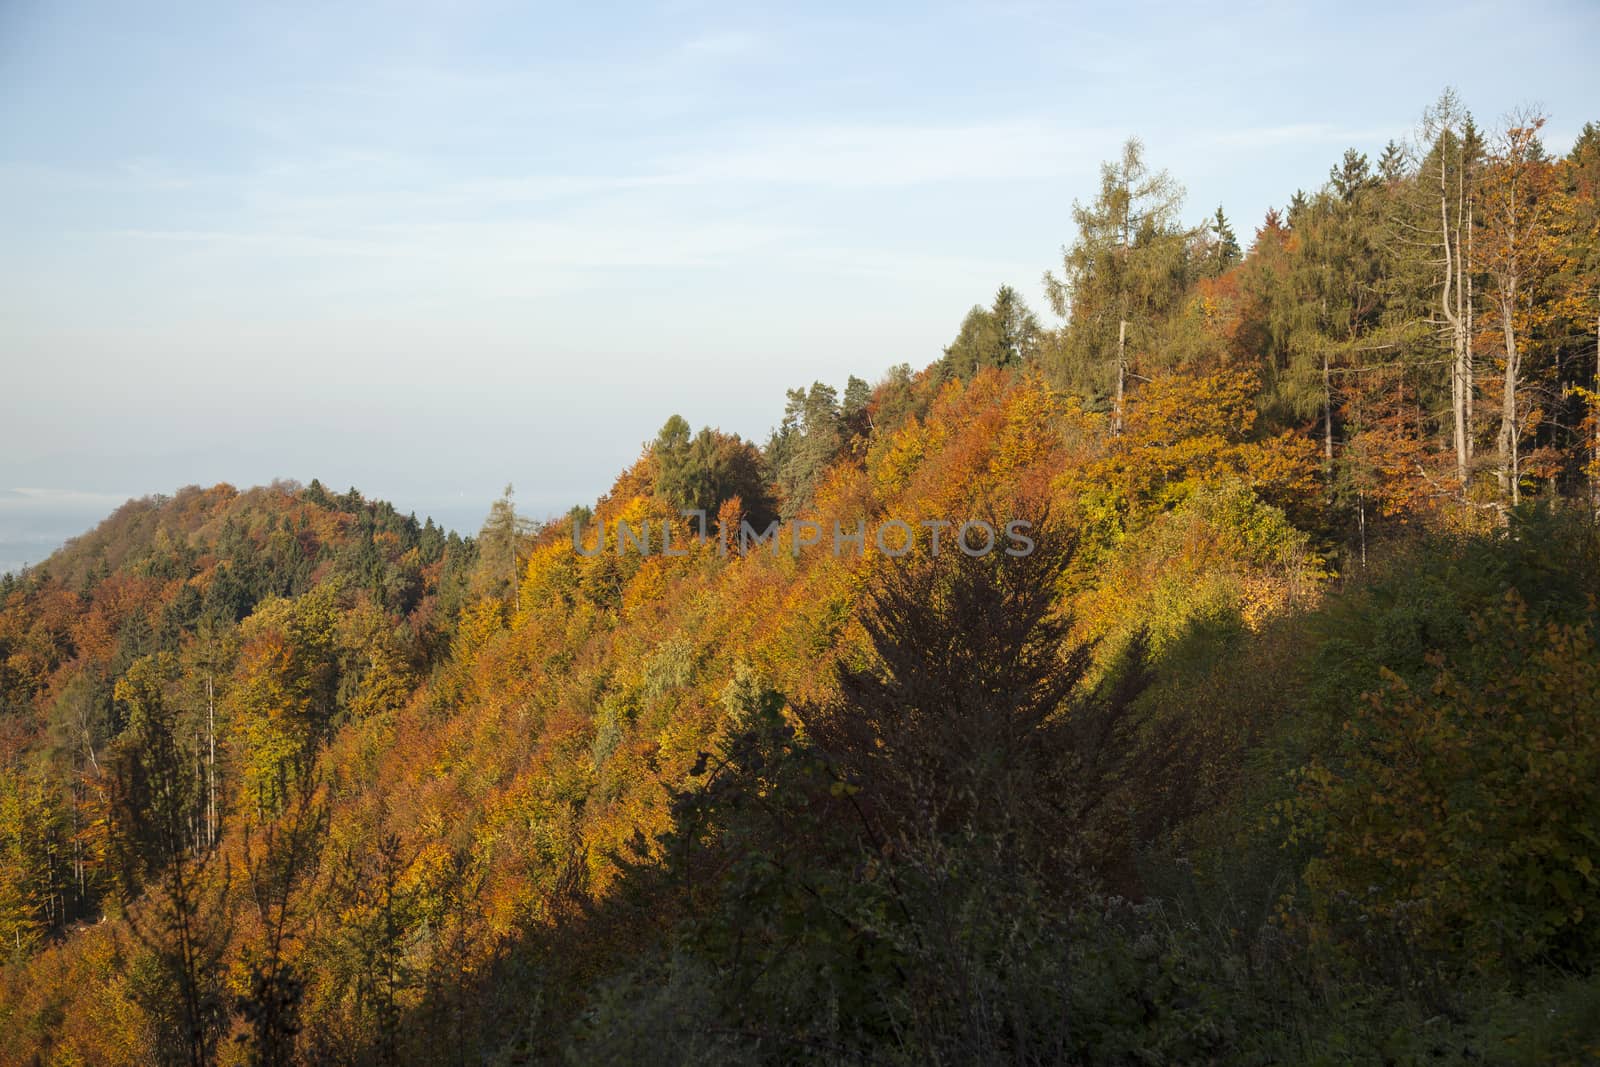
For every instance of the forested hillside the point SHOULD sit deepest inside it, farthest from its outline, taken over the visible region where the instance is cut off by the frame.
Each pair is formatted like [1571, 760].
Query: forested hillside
[1281, 745]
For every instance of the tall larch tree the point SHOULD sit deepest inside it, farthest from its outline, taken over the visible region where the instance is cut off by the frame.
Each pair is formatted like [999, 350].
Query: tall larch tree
[1128, 268]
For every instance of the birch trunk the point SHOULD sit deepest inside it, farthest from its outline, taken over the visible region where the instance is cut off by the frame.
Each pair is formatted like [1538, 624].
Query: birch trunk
[1122, 374]
[1458, 388]
[1509, 479]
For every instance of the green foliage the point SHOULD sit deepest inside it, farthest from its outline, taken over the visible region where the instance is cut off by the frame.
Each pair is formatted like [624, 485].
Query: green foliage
[1004, 335]
[175, 890]
[1464, 818]
[702, 472]
[1128, 267]
[34, 827]
[502, 544]
[1280, 747]
[809, 439]
[1421, 599]
[1222, 252]
[285, 695]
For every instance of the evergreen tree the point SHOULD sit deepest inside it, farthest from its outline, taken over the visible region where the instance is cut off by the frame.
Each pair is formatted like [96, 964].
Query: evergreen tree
[1005, 334]
[1393, 165]
[1223, 251]
[805, 443]
[1351, 177]
[854, 409]
[702, 472]
[501, 543]
[1128, 267]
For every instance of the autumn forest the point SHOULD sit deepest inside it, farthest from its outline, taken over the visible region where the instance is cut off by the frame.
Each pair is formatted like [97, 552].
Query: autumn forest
[1281, 745]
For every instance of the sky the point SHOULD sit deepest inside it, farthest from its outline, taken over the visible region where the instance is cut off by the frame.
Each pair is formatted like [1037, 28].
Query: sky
[430, 249]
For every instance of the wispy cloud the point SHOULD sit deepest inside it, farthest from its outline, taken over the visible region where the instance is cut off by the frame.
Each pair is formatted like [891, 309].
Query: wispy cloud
[832, 155]
[671, 212]
[446, 248]
[1301, 133]
[857, 155]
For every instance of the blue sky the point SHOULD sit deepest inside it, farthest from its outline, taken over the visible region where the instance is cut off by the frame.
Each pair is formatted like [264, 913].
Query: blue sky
[428, 249]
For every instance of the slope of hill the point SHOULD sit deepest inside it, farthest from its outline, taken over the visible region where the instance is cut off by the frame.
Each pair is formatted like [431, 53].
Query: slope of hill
[1273, 738]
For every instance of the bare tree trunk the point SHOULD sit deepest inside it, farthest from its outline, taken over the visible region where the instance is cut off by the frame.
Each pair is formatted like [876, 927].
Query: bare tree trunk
[1458, 388]
[1122, 321]
[1327, 411]
[1361, 515]
[77, 842]
[88, 737]
[1469, 369]
[1122, 374]
[1509, 476]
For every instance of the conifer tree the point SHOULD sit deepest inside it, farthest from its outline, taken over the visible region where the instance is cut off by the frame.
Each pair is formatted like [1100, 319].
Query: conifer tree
[1128, 267]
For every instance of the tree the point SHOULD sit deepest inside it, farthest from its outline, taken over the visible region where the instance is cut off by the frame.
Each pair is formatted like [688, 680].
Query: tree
[501, 543]
[1582, 257]
[278, 868]
[1222, 245]
[1331, 297]
[33, 879]
[375, 672]
[1352, 176]
[1006, 334]
[1185, 431]
[1296, 208]
[283, 694]
[804, 444]
[1448, 182]
[1521, 209]
[855, 410]
[700, 473]
[969, 715]
[1458, 812]
[1127, 268]
[675, 474]
[1393, 164]
[895, 876]
[183, 922]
